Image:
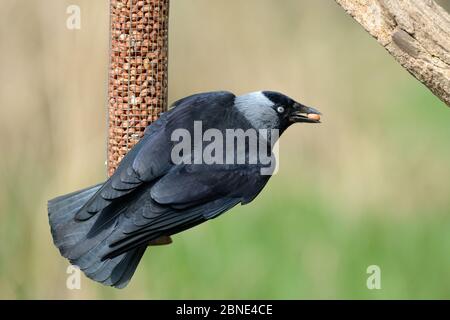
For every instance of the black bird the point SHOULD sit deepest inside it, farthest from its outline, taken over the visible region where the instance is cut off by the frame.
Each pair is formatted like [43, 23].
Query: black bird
[105, 229]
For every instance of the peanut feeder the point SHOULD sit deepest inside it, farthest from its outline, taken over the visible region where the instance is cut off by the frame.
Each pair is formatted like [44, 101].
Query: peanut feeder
[137, 84]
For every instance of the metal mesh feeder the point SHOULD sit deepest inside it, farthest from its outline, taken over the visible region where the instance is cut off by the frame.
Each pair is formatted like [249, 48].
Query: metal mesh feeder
[138, 72]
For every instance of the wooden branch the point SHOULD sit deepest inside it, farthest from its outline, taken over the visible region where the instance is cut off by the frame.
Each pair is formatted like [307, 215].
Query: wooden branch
[415, 32]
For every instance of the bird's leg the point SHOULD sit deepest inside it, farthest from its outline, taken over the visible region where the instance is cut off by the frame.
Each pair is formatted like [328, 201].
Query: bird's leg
[163, 240]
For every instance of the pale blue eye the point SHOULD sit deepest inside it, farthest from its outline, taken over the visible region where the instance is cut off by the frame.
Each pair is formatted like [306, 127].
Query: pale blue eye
[280, 109]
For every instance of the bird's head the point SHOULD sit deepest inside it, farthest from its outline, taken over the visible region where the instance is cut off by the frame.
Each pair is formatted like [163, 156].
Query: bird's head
[273, 110]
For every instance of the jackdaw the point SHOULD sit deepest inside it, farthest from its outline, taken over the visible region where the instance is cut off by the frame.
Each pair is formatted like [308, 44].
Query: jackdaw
[105, 229]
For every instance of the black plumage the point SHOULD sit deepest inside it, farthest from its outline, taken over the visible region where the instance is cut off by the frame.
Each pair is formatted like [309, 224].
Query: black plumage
[106, 229]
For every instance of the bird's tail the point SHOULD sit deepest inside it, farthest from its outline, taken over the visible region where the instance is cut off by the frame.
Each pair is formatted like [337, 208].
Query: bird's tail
[71, 237]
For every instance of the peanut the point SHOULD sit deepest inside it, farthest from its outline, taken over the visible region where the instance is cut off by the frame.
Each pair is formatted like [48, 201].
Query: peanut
[314, 116]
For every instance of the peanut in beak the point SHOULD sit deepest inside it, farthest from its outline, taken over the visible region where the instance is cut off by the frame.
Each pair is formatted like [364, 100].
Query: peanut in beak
[314, 116]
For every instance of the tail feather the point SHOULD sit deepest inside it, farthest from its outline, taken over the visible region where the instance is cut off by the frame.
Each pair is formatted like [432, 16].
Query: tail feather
[65, 205]
[122, 274]
[70, 235]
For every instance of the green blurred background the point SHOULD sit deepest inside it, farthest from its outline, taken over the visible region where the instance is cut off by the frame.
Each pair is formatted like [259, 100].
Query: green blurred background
[370, 186]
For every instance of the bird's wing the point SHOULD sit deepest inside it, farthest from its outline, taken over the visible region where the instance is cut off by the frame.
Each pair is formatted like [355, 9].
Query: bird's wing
[183, 198]
[188, 185]
[150, 158]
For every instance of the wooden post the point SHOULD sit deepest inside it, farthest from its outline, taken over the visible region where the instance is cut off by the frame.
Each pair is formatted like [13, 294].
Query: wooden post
[138, 79]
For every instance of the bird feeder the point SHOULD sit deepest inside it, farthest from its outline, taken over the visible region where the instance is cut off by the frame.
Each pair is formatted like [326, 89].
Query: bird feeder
[138, 72]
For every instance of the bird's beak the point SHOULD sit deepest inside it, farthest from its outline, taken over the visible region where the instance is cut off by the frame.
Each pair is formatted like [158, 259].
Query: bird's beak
[303, 113]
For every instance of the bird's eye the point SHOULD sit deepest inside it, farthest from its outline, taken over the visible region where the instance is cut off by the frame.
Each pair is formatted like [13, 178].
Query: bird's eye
[280, 109]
